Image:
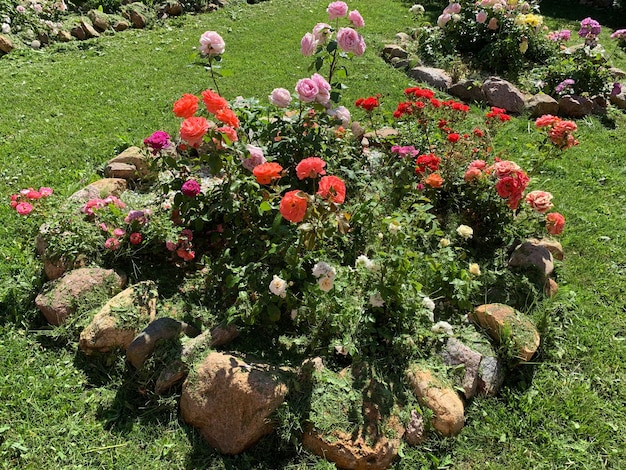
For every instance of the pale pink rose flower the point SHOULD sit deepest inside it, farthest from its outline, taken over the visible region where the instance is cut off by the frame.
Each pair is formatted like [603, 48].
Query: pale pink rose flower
[342, 113]
[350, 41]
[307, 90]
[255, 159]
[280, 97]
[211, 44]
[321, 31]
[539, 201]
[118, 232]
[321, 82]
[337, 10]
[45, 192]
[455, 8]
[308, 44]
[504, 168]
[493, 24]
[323, 97]
[357, 20]
[481, 17]
[443, 19]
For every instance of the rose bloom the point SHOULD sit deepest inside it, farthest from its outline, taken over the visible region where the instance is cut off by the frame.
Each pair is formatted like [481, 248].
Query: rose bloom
[308, 44]
[280, 97]
[213, 101]
[278, 286]
[255, 159]
[332, 188]
[229, 132]
[323, 94]
[186, 106]
[112, 244]
[547, 120]
[265, 173]
[135, 238]
[322, 268]
[337, 10]
[292, 206]
[454, 138]
[211, 44]
[45, 192]
[118, 233]
[511, 187]
[311, 167]
[228, 117]
[555, 223]
[342, 113]
[443, 19]
[321, 31]
[350, 41]
[434, 180]
[442, 327]
[185, 254]
[540, 201]
[368, 104]
[192, 130]
[364, 261]
[445, 242]
[376, 300]
[424, 162]
[33, 195]
[465, 231]
[481, 16]
[24, 208]
[157, 141]
[191, 188]
[472, 174]
[357, 20]
[325, 283]
[493, 24]
[307, 90]
[474, 269]
[505, 168]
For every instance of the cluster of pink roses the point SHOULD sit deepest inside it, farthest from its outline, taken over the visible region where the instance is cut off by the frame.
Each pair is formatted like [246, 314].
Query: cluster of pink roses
[560, 132]
[22, 202]
[313, 90]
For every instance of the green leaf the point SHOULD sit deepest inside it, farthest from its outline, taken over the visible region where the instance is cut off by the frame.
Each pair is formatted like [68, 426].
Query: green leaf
[265, 206]
[332, 46]
[273, 312]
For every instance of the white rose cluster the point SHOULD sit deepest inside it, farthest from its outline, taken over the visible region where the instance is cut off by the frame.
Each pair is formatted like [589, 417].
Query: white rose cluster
[325, 275]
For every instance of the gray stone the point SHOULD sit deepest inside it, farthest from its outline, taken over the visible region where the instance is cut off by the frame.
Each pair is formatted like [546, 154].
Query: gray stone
[90, 31]
[415, 432]
[35, 44]
[78, 32]
[403, 38]
[468, 90]
[503, 94]
[456, 353]
[393, 50]
[616, 73]
[529, 254]
[64, 36]
[399, 63]
[490, 376]
[99, 20]
[437, 78]
[541, 104]
[121, 26]
[575, 106]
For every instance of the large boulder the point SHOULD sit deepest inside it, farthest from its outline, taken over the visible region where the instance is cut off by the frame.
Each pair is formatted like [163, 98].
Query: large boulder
[533, 255]
[468, 90]
[231, 402]
[575, 106]
[101, 188]
[6, 45]
[436, 78]
[443, 401]
[541, 104]
[119, 320]
[131, 164]
[505, 324]
[503, 94]
[62, 297]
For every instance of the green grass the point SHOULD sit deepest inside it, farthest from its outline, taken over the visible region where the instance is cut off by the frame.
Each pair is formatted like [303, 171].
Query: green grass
[63, 114]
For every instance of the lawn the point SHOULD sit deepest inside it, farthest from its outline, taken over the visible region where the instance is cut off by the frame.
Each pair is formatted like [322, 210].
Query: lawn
[64, 112]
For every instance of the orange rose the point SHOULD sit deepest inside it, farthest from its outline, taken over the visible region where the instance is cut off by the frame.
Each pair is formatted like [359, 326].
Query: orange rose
[228, 117]
[213, 101]
[267, 172]
[555, 223]
[434, 180]
[192, 130]
[332, 188]
[293, 206]
[186, 106]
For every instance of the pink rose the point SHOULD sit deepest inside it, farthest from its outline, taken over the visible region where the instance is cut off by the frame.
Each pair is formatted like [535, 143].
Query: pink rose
[350, 41]
[280, 97]
[540, 201]
[211, 44]
[472, 174]
[337, 10]
[118, 232]
[505, 168]
[493, 24]
[357, 20]
[112, 244]
[24, 208]
[308, 44]
[481, 16]
[307, 90]
[255, 159]
[321, 31]
[443, 19]
[342, 113]
[45, 192]
[191, 188]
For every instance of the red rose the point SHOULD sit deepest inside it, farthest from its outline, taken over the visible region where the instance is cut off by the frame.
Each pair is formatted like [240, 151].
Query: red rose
[265, 173]
[333, 188]
[293, 206]
[135, 238]
[186, 106]
[427, 162]
[454, 138]
[310, 167]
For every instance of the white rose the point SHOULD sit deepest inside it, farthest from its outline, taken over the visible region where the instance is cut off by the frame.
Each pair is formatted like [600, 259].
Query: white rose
[465, 231]
[442, 327]
[474, 269]
[428, 303]
[278, 286]
[365, 262]
[321, 269]
[444, 242]
[325, 283]
[376, 300]
[394, 227]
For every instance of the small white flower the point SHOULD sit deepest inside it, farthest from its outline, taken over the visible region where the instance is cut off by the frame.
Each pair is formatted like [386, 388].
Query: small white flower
[465, 231]
[442, 327]
[428, 303]
[444, 242]
[417, 9]
[322, 269]
[278, 286]
[365, 262]
[325, 283]
[6, 28]
[376, 300]
[474, 269]
[294, 314]
[394, 227]
[380, 235]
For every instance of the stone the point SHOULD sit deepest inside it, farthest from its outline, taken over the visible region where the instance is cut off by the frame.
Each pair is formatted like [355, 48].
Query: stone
[78, 32]
[125, 171]
[383, 134]
[398, 63]
[6, 45]
[137, 19]
[503, 94]
[99, 20]
[490, 376]
[415, 432]
[101, 188]
[447, 407]
[43, 38]
[174, 373]
[118, 321]
[616, 73]
[132, 156]
[35, 44]
[90, 31]
[160, 329]
[403, 38]
[55, 268]
[500, 320]
[61, 297]
[534, 256]
[541, 104]
[468, 90]
[393, 50]
[120, 25]
[619, 100]
[231, 402]
[575, 106]
[218, 336]
[553, 246]
[456, 353]
[173, 9]
[64, 36]
[437, 78]
[550, 288]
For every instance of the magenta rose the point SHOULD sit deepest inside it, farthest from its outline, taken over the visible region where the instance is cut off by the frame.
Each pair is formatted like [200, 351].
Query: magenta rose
[280, 97]
[350, 41]
[211, 44]
[307, 90]
[337, 10]
[357, 20]
[308, 45]
[159, 140]
[191, 188]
